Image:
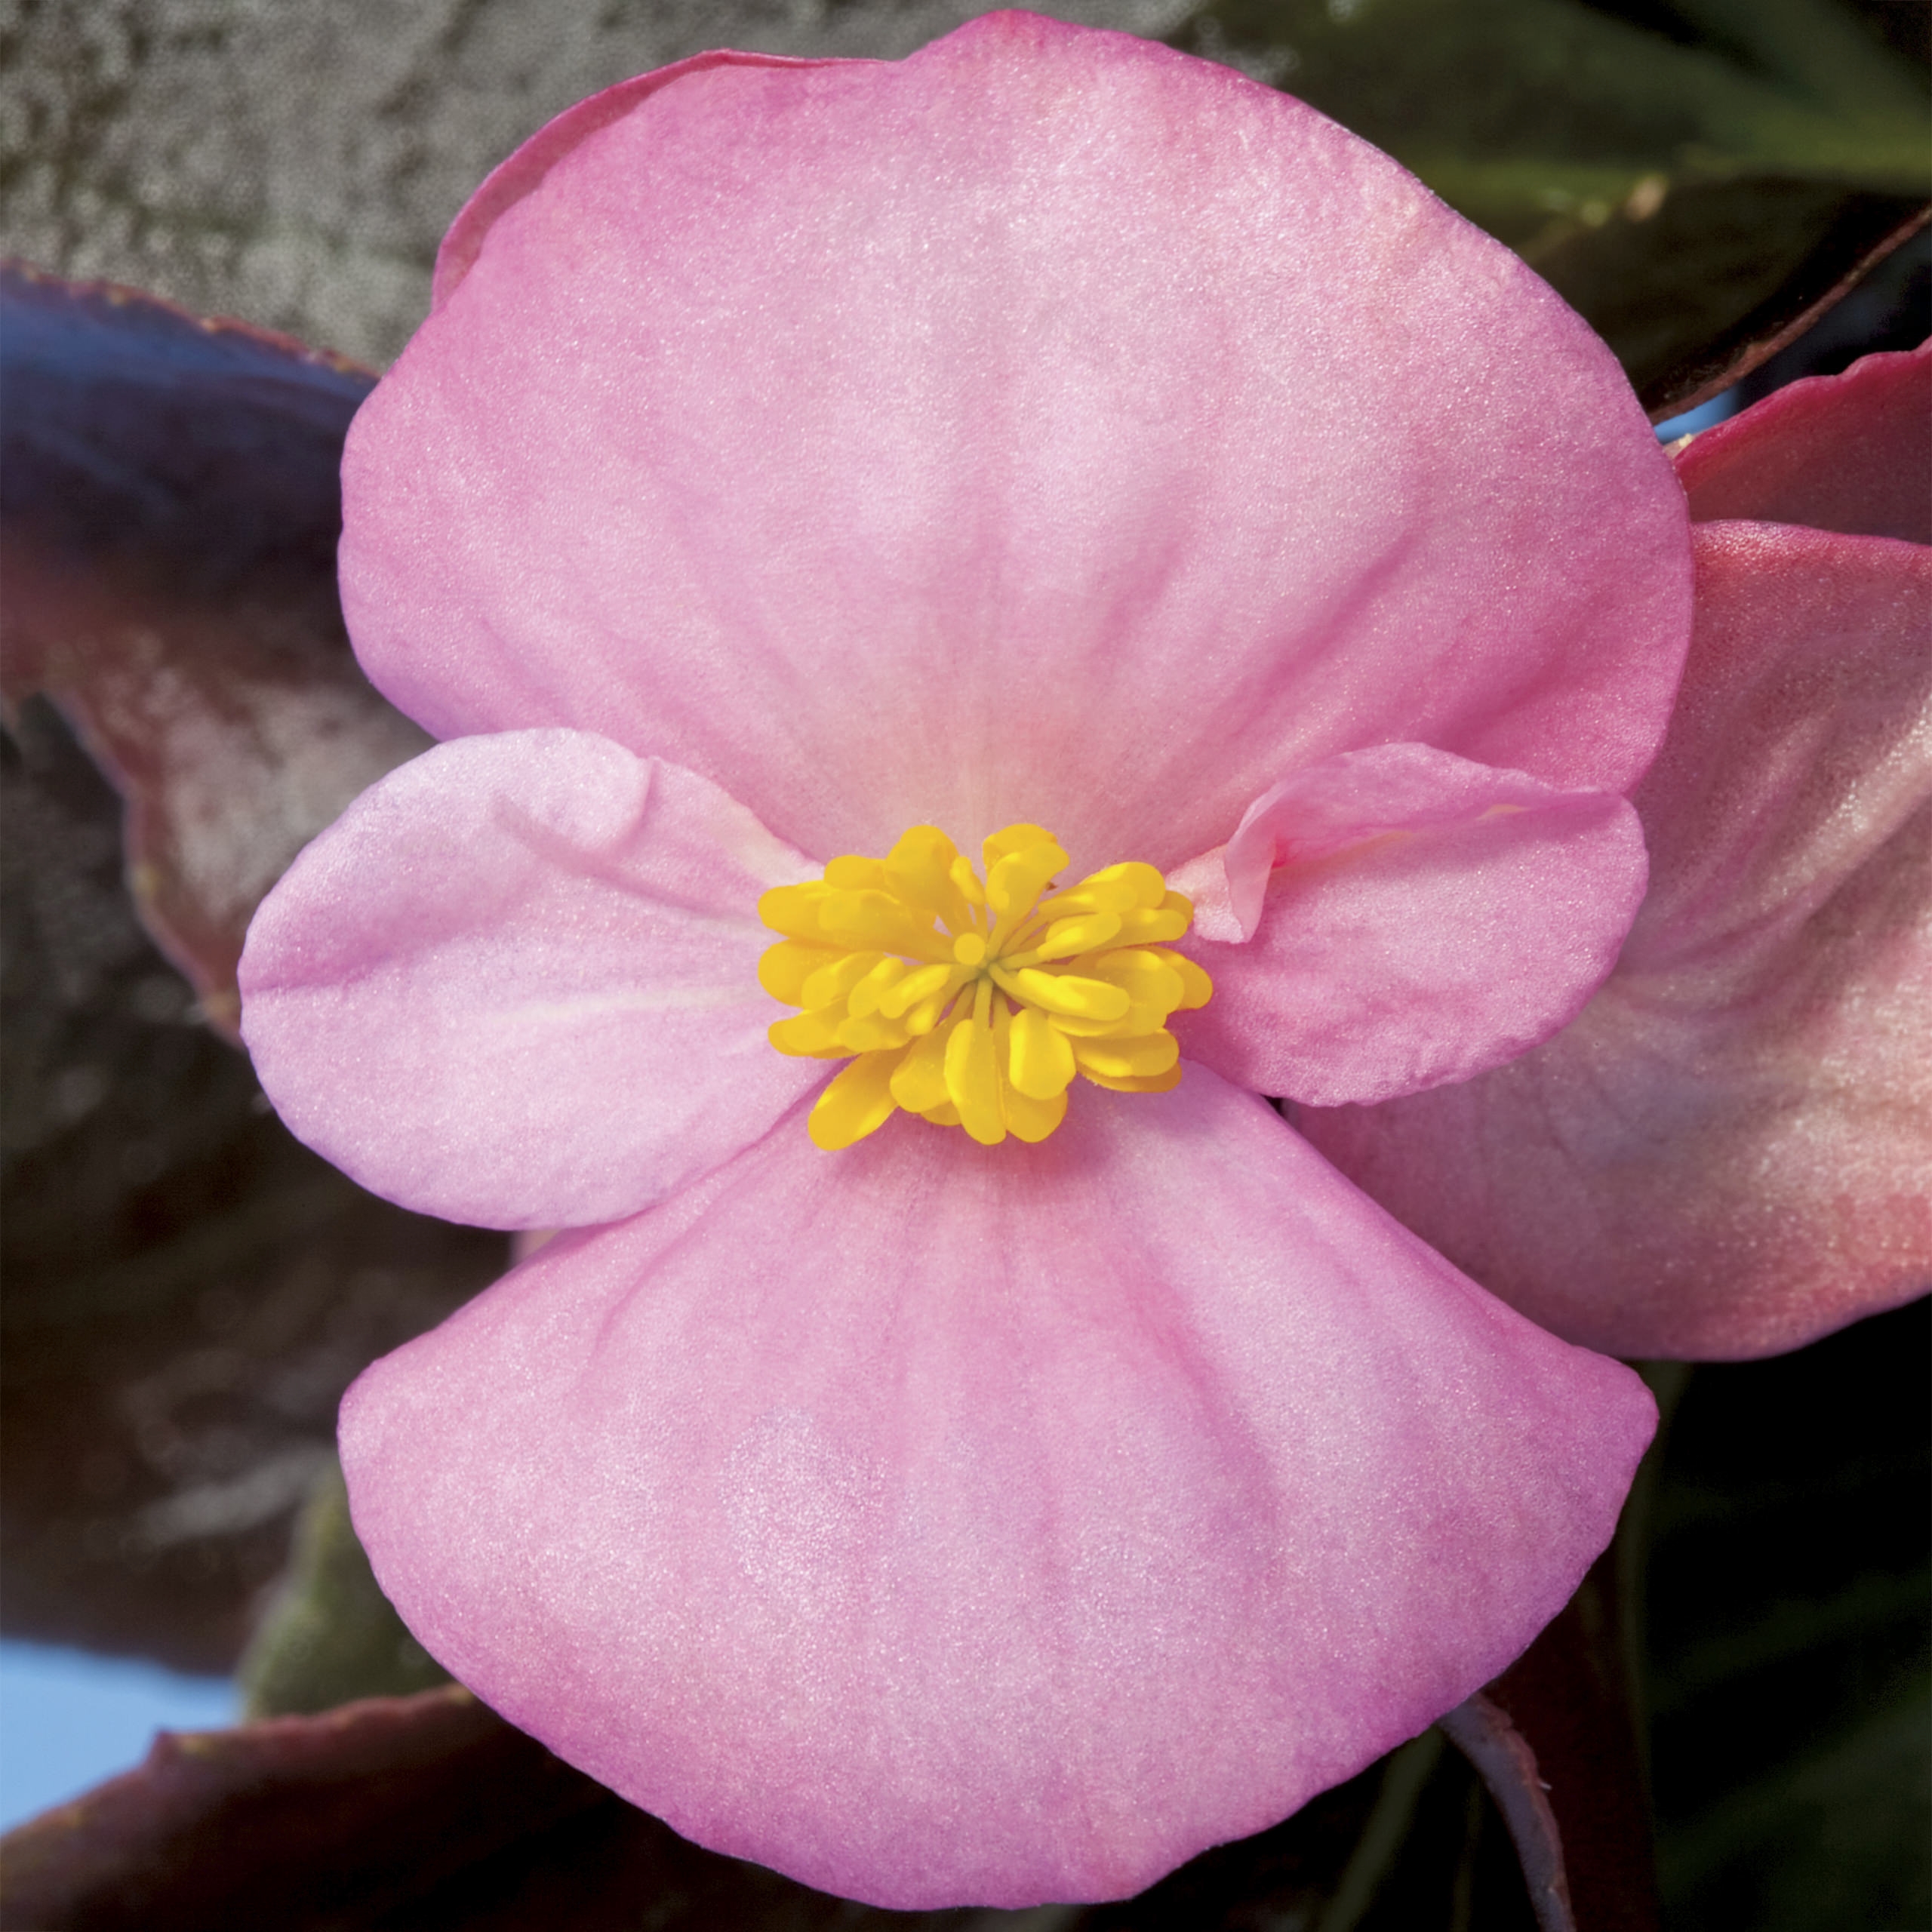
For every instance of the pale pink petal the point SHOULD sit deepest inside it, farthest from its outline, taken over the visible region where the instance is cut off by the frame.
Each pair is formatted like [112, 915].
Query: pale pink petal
[944, 1524]
[1850, 453]
[508, 183]
[1728, 1154]
[516, 983]
[1399, 917]
[975, 438]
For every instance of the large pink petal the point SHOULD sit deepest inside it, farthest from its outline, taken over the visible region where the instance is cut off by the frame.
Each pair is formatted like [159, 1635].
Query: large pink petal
[992, 435]
[1728, 1153]
[516, 982]
[943, 1524]
[1850, 453]
[1410, 918]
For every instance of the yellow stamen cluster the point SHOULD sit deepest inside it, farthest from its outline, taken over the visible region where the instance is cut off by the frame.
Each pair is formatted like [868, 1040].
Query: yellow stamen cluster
[975, 1006]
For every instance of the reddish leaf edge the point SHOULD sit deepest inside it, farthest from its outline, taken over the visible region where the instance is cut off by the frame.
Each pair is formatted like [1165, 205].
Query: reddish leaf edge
[120, 295]
[1676, 396]
[120, 1847]
[184, 1769]
[47, 590]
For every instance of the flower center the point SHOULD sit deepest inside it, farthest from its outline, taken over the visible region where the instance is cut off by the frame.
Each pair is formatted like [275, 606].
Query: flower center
[974, 1005]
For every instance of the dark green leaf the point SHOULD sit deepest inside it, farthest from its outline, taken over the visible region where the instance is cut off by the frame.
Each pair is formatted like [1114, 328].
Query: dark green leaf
[331, 1636]
[1789, 1596]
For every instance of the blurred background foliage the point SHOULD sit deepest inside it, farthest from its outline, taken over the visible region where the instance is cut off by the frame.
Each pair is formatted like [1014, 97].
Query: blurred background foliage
[1788, 1584]
[188, 1291]
[1688, 173]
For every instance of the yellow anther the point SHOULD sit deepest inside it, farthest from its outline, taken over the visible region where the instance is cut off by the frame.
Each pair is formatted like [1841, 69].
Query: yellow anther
[973, 1072]
[967, 880]
[918, 1081]
[1026, 1115]
[792, 910]
[1066, 937]
[854, 875]
[1040, 1059]
[1014, 884]
[1141, 974]
[921, 1018]
[1146, 924]
[878, 919]
[810, 1035]
[869, 992]
[1113, 889]
[1077, 999]
[976, 1006]
[919, 869]
[1030, 1119]
[1196, 987]
[833, 982]
[916, 987]
[1126, 1059]
[870, 1035]
[1013, 838]
[1135, 1083]
[785, 971]
[858, 1102]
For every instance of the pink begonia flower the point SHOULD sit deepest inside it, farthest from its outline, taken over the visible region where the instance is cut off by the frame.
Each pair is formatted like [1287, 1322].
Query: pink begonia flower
[1729, 1152]
[1052, 430]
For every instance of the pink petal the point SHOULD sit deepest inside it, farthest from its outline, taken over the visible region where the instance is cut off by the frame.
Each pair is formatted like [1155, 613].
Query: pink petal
[1848, 453]
[523, 172]
[940, 1523]
[1727, 1154]
[978, 437]
[516, 983]
[1405, 918]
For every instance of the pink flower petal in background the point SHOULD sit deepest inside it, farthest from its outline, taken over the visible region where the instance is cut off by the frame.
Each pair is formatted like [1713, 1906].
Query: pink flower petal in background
[1800, 750]
[1850, 453]
[1727, 1154]
[964, 440]
[900, 1519]
[1400, 918]
[517, 983]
